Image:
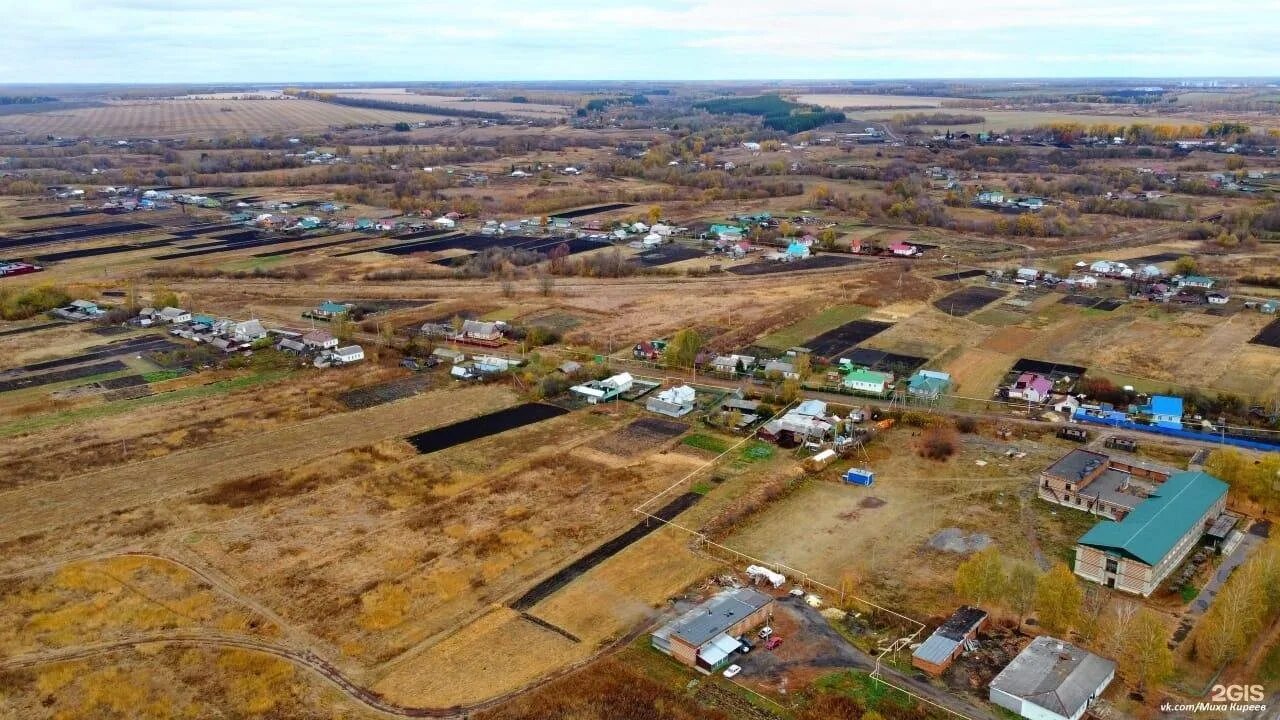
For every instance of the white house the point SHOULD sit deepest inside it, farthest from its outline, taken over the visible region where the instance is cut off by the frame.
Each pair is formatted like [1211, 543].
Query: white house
[598, 391]
[1218, 298]
[652, 240]
[444, 223]
[175, 315]
[248, 331]
[1051, 680]
[348, 354]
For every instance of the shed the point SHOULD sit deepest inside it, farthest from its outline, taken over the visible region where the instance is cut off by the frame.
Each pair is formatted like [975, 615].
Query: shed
[947, 643]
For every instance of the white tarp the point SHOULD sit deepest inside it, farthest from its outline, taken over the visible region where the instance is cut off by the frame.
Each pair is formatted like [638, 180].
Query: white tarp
[773, 578]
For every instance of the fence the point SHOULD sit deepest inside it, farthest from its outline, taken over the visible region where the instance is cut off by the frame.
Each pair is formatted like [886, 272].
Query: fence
[1221, 438]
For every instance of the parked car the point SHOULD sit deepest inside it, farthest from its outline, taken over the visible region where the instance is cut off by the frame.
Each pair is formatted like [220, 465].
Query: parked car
[765, 632]
[732, 670]
[773, 643]
[744, 645]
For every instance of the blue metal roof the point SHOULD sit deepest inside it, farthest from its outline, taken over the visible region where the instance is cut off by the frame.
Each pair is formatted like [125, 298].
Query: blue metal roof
[1166, 405]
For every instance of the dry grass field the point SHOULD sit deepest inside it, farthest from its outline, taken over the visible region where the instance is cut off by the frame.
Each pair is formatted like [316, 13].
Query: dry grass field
[877, 536]
[186, 118]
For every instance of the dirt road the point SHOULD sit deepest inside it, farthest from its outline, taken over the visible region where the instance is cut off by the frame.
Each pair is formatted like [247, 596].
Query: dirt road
[80, 497]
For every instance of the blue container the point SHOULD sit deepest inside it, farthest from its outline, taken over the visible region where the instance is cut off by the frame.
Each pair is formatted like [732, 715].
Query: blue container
[858, 476]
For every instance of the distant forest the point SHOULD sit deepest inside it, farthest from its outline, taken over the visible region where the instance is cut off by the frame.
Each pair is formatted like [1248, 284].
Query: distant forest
[26, 99]
[777, 114]
[373, 104]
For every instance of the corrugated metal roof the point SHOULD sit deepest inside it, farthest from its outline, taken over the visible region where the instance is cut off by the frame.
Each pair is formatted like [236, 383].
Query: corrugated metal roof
[1155, 526]
[715, 616]
[936, 649]
[1055, 675]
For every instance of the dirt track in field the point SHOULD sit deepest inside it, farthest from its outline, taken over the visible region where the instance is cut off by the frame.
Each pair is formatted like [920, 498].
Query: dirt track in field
[80, 497]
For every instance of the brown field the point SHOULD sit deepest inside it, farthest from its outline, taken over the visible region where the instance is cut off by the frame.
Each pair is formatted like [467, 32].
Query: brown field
[185, 118]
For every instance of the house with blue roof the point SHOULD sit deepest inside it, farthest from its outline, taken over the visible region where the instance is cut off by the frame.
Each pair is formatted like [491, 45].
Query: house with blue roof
[797, 250]
[928, 384]
[1136, 553]
[1164, 411]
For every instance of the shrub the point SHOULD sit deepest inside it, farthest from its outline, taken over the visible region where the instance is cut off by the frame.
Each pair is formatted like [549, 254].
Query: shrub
[938, 443]
[967, 425]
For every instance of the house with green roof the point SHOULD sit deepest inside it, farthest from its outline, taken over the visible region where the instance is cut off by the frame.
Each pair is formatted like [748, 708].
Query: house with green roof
[867, 381]
[1138, 552]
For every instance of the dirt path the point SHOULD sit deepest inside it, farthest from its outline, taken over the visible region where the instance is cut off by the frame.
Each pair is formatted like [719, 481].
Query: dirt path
[77, 498]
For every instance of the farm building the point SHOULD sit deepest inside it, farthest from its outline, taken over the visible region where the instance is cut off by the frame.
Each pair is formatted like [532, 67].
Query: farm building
[674, 402]
[598, 391]
[705, 637]
[1136, 553]
[1051, 680]
[928, 384]
[867, 381]
[947, 643]
[1098, 484]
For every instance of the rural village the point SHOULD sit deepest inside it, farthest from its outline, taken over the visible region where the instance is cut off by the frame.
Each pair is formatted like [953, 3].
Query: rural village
[773, 401]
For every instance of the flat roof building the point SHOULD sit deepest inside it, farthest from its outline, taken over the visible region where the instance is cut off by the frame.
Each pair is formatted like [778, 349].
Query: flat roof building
[1100, 484]
[1051, 680]
[706, 636]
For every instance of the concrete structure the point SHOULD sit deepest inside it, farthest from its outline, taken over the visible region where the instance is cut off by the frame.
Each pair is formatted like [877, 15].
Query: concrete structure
[706, 636]
[947, 643]
[1138, 552]
[1051, 680]
[1099, 484]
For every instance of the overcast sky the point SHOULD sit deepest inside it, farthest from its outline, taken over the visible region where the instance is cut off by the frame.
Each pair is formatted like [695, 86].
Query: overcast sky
[351, 40]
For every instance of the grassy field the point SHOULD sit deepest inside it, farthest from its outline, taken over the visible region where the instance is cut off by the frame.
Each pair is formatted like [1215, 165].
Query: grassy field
[183, 118]
[812, 326]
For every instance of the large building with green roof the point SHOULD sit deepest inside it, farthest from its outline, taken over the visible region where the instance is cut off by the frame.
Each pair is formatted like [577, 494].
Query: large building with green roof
[1137, 553]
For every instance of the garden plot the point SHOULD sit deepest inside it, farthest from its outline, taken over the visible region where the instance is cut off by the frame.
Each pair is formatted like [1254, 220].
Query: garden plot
[640, 436]
[479, 427]
[816, 262]
[1269, 335]
[968, 300]
[960, 275]
[835, 343]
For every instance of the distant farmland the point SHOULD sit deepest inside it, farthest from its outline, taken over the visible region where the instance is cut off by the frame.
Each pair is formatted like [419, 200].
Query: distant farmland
[199, 117]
